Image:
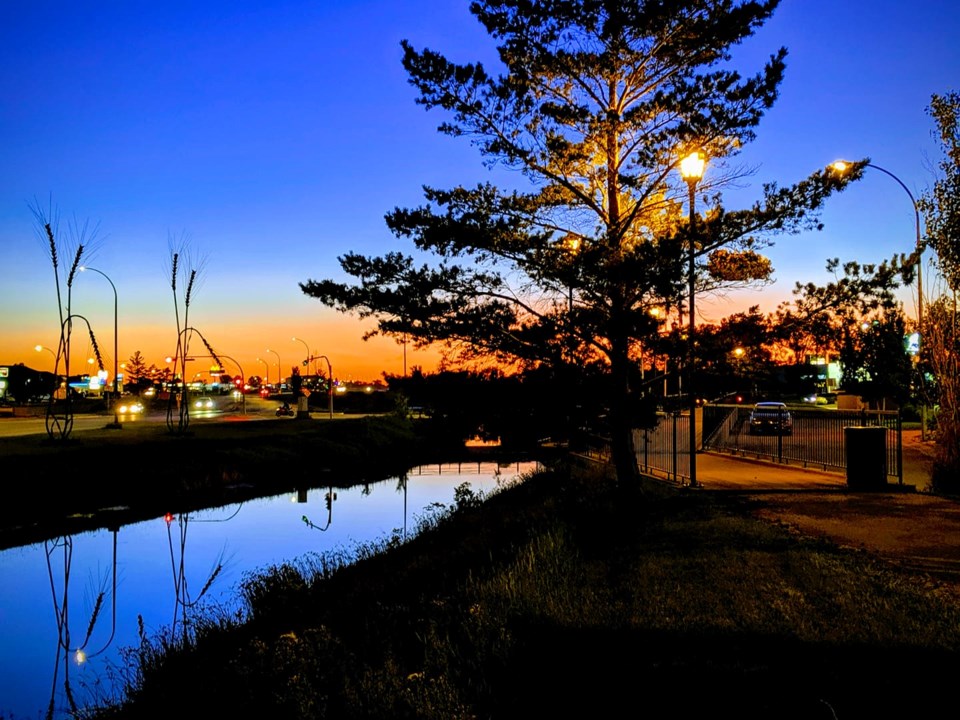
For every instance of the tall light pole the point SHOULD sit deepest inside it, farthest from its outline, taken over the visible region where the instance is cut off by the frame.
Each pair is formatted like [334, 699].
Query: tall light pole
[279, 367]
[306, 363]
[572, 243]
[56, 379]
[329, 383]
[841, 166]
[38, 348]
[691, 169]
[267, 366]
[116, 391]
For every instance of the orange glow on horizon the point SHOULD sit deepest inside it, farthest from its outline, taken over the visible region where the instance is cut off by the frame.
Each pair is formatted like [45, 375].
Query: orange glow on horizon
[339, 338]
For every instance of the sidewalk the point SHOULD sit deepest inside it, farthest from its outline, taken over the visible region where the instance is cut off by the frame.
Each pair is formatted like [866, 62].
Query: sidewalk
[721, 471]
[907, 525]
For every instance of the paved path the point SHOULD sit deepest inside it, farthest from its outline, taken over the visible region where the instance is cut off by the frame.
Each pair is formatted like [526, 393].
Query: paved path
[907, 524]
[721, 471]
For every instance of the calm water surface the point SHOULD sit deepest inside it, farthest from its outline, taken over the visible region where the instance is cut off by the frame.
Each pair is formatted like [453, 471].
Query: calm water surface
[158, 569]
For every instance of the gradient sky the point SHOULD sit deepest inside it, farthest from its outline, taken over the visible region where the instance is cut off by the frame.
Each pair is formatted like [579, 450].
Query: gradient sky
[273, 136]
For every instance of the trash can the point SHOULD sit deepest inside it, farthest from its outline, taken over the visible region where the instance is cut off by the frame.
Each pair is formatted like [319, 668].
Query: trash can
[866, 457]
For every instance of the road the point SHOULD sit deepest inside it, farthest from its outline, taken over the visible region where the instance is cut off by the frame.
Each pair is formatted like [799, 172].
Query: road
[254, 408]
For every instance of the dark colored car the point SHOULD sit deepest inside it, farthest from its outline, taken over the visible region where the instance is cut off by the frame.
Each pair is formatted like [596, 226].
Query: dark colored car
[770, 418]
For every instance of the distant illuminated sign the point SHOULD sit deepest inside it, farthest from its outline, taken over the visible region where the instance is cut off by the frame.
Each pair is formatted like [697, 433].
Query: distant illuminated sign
[911, 343]
[4, 372]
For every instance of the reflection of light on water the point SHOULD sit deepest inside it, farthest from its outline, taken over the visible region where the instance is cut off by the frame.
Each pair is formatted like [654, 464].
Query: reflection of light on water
[65, 691]
[477, 441]
[227, 542]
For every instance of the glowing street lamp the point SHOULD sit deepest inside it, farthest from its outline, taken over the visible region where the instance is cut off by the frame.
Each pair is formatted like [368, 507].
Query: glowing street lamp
[306, 363]
[38, 348]
[266, 366]
[841, 166]
[572, 243]
[691, 169]
[279, 367]
[116, 391]
[329, 384]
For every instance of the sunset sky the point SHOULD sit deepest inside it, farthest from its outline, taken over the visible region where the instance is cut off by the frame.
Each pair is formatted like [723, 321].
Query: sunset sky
[272, 136]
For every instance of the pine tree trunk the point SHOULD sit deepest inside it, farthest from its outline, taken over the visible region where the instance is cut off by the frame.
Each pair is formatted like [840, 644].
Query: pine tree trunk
[621, 432]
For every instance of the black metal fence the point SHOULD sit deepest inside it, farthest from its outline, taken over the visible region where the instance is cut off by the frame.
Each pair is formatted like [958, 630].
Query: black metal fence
[815, 438]
[664, 451]
[812, 438]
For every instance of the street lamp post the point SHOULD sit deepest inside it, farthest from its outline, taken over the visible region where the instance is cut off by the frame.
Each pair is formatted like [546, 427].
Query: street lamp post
[243, 395]
[38, 348]
[307, 361]
[329, 384]
[573, 245]
[116, 391]
[279, 368]
[841, 166]
[56, 381]
[691, 169]
[267, 366]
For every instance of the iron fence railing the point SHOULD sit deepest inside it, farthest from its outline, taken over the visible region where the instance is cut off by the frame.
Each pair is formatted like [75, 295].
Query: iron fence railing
[664, 450]
[814, 438]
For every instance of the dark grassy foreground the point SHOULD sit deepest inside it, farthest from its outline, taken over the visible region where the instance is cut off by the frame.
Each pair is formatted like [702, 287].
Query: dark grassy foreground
[561, 597]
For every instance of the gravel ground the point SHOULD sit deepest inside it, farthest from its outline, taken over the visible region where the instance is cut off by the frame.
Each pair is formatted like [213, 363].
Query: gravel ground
[917, 530]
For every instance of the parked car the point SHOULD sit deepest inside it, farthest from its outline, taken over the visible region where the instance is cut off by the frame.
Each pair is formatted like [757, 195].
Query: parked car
[770, 417]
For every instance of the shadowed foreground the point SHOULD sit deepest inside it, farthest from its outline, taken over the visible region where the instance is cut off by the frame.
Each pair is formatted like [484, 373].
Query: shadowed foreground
[564, 595]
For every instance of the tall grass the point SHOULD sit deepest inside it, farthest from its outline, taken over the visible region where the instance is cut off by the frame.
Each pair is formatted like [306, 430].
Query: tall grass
[565, 595]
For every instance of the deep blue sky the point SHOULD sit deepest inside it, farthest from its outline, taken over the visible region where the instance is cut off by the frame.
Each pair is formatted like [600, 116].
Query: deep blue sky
[275, 135]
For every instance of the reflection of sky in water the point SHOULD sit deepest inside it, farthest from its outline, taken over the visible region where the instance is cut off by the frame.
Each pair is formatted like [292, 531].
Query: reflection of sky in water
[254, 535]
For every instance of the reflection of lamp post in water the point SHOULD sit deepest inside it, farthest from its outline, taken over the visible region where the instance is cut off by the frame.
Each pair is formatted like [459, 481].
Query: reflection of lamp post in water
[329, 497]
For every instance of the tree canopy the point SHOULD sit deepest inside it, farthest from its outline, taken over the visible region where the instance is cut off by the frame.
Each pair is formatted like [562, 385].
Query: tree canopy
[941, 205]
[593, 104]
[940, 344]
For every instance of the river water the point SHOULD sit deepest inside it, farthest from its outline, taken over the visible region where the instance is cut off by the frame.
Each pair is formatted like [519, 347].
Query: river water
[158, 571]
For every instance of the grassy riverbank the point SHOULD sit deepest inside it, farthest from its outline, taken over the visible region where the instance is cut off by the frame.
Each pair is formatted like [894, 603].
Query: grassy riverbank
[566, 596]
[100, 476]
